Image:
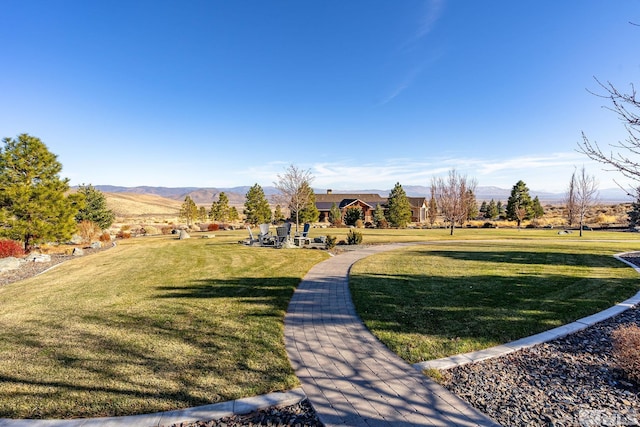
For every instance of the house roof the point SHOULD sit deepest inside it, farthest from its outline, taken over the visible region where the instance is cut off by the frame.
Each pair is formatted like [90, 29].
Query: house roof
[325, 201]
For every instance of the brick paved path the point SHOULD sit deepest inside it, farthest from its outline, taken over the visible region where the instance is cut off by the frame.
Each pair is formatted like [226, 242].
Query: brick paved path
[349, 376]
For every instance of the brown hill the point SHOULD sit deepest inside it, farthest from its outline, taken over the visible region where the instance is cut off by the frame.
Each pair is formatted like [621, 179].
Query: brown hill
[129, 205]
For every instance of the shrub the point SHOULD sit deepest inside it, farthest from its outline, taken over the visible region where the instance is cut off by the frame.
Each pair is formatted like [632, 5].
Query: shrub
[626, 342]
[125, 228]
[354, 237]
[167, 229]
[383, 223]
[150, 230]
[123, 234]
[88, 230]
[359, 223]
[213, 227]
[11, 248]
[488, 225]
[330, 242]
[105, 237]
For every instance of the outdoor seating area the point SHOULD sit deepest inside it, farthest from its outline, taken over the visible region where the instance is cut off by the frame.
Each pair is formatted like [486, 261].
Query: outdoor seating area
[283, 238]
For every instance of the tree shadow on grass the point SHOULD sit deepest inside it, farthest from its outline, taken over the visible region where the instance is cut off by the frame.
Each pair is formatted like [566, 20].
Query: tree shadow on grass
[180, 353]
[528, 257]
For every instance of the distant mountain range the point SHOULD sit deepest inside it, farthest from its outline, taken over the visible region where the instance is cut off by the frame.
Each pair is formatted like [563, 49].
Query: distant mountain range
[204, 196]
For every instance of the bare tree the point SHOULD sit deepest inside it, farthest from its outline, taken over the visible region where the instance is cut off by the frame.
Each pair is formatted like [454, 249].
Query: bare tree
[626, 156]
[295, 189]
[570, 201]
[452, 195]
[586, 194]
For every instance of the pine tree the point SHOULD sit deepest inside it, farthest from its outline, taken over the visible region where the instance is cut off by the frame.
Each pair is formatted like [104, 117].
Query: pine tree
[94, 207]
[352, 215]
[34, 206]
[399, 208]
[538, 210]
[634, 213]
[278, 216]
[335, 216]
[202, 214]
[501, 209]
[483, 208]
[519, 205]
[233, 214]
[256, 206]
[492, 210]
[379, 218]
[472, 209]
[189, 210]
[220, 210]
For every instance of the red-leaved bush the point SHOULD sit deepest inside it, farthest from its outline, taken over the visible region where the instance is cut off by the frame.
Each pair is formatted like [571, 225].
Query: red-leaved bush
[11, 248]
[213, 227]
[626, 350]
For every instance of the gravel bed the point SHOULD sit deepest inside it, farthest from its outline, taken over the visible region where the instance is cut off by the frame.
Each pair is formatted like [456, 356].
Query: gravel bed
[571, 381]
[300, 415]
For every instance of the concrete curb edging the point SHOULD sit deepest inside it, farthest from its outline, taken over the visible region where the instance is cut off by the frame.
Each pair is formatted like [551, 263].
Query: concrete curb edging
[559, 332]
[200, 413]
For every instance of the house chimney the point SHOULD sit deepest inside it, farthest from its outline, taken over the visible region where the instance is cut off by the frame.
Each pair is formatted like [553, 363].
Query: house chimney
[329, 191]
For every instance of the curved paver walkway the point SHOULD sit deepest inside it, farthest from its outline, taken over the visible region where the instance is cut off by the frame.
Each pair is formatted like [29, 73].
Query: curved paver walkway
[349, 376]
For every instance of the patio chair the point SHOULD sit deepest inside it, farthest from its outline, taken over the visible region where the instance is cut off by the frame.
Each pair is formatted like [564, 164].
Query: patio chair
[251, 240]
[265, 237]
[282, 234]
[301, 239]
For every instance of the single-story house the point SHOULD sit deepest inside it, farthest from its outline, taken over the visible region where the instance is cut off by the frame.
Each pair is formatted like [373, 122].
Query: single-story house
[368, 203]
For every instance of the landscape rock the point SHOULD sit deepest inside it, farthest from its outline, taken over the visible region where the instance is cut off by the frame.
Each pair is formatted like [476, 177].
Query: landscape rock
[39, 258]
[183, 235]
[9, 263]
[77, 252]
[96, 245]
[76, 239]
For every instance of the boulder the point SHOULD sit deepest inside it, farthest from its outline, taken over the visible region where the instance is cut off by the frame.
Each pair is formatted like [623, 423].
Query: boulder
[9, 263]
[77, 252]
[75, 239]
[96, 245]
[39, 258]
[184, 235]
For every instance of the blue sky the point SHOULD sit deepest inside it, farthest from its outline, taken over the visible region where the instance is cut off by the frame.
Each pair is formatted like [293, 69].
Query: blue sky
[364, 94]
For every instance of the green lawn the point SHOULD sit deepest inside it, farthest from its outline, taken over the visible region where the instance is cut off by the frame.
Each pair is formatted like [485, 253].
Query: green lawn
[437, 300]
[158, 324]
[153, 324]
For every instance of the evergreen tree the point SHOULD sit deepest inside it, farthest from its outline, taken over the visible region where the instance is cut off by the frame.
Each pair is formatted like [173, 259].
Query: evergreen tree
[634, 213]
[483, 208]
[278, 216]
[309, 212]
[233, 214]
[34, 206]
[352, 215]
[220, 210]
[519, 205]
[378, 215]
[335, 216]
[189, 210]
[538, 210]
[501, 209]
[202, 214]
[256, 206]
[472, 209]
[399, 208]
[492, 210]
[94, 207]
